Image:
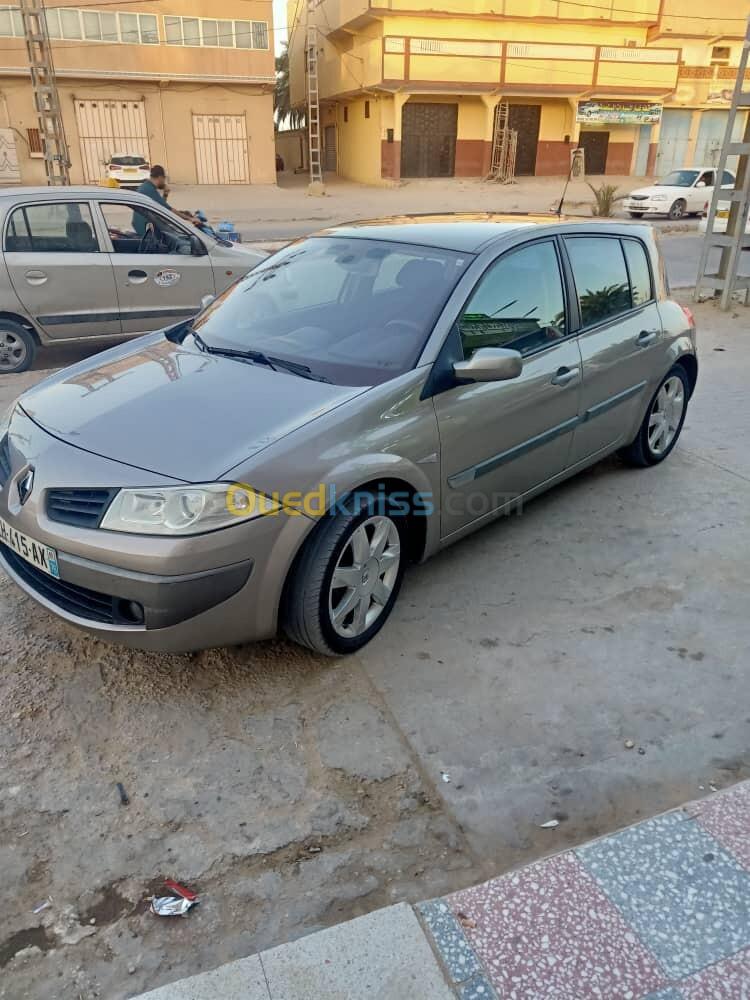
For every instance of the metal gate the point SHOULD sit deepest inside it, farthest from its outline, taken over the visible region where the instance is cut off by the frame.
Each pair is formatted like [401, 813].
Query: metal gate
[525, 119]
[596, 145]
[711, 131]
[673, 140]
[428, 139]
[329, 149]
[221, 153]
[108, 127]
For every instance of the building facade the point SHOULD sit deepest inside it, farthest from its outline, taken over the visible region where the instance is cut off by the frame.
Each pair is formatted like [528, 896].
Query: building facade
[409, 89]
[166, 79]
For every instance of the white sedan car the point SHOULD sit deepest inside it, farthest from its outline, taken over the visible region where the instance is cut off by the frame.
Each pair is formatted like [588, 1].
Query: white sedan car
[683, 192]
[128, 169]
[722, 216]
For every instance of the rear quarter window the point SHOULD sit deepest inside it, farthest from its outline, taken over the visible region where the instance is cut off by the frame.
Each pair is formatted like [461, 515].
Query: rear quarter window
[640, 273]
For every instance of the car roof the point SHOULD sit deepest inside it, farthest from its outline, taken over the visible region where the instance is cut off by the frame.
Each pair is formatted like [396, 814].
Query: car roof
[461, 232]
[10, 197]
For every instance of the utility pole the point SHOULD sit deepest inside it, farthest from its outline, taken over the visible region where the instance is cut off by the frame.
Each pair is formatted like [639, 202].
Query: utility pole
[313, 101]
[732, 242]
[46, 97]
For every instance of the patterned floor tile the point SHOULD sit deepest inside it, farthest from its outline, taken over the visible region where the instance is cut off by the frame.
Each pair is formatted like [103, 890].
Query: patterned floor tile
[727, 980]
[670, 993]
[549, 933]
[688, 898]
[478, 988]
[727, 818]
[454, 949]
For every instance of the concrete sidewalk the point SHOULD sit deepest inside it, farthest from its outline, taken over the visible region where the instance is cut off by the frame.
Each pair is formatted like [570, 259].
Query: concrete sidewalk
[658, 911]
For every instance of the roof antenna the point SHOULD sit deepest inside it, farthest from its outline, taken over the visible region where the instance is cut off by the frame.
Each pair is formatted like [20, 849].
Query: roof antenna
[576, 161]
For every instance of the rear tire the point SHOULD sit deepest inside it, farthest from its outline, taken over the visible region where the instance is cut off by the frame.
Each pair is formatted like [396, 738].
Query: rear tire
[17, 348]
[347, 579]
[662, 425]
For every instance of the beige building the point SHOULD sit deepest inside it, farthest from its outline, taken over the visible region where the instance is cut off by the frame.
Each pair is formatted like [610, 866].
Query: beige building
[166, 79]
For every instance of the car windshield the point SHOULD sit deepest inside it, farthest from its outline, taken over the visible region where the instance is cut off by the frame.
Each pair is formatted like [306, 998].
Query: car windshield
[353, 311]
[679, 179]
[128, 161]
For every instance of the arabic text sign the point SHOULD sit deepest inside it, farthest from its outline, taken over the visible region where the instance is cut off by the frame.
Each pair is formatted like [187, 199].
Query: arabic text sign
[619, 112]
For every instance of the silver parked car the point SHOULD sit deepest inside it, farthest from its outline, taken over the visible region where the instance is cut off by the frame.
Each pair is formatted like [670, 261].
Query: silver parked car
[361, 399]
[87, 262]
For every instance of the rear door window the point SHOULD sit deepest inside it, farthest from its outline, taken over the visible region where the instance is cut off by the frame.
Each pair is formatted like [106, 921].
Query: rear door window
[52, 228]
[601, 277]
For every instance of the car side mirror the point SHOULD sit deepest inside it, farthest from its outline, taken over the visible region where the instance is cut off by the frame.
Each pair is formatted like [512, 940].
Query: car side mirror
[206, 301]
[197, 246]
[701, 184]
[490, 364]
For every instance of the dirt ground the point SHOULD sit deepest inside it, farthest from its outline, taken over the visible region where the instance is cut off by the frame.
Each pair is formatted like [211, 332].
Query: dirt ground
[294, 792]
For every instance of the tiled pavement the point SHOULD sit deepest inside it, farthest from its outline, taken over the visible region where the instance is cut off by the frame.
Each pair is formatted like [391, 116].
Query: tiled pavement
[659, 911]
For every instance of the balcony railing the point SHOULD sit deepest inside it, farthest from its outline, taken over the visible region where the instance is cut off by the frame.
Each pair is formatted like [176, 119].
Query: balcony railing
[553, 66]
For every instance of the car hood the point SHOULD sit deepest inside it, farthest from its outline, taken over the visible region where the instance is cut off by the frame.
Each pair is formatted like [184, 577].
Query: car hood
[176, 412]
[652, 189]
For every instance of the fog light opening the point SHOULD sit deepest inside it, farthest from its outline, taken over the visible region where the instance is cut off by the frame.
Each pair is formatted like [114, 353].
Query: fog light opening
[129, 612]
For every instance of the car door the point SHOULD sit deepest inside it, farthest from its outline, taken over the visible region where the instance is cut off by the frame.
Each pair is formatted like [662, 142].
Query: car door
[620, 337]
[160, 278]
[701, 191]
[59, 271]
[500, 439]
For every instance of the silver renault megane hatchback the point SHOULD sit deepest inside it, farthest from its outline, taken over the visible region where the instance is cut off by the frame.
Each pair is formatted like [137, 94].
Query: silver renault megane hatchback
[360, 400]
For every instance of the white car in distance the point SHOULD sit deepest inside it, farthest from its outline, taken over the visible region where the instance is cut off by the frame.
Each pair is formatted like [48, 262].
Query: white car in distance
[129, 169]
[680, 193]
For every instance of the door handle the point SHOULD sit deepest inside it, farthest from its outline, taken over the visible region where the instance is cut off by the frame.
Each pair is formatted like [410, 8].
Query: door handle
[646, 337]
[137, 276]
[35, 277]
[565, 376]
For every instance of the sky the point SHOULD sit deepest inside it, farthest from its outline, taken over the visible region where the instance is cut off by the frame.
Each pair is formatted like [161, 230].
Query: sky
[279, 21]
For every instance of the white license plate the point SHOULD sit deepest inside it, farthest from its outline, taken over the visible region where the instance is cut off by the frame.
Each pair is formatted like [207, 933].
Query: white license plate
[41, 556]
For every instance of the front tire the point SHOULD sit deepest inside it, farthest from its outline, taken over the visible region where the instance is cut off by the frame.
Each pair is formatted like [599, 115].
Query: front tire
[663, 422]
[677, 209]
[346, 580]
[17, 348]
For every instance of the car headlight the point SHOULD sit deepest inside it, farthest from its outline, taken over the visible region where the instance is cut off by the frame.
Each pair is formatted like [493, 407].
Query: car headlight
[659, 197]
[185, 510]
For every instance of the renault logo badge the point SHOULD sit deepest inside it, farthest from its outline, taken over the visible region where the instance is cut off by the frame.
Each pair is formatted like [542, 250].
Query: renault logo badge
[25, 486]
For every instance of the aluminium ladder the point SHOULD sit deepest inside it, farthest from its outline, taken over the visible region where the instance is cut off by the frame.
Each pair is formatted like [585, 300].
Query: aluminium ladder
[313, 98]
[727, 279]
[46, 98]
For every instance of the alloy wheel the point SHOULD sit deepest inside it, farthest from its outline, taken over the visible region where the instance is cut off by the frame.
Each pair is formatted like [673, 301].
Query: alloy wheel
[12, 351]
[364, 577]
[678, 209]
[666, 415]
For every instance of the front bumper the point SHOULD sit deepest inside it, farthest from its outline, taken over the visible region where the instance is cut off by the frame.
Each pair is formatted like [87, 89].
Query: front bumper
[148, 592]
[647, 207]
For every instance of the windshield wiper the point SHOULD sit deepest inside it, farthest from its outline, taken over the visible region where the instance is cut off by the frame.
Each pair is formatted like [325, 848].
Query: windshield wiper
[258, 357]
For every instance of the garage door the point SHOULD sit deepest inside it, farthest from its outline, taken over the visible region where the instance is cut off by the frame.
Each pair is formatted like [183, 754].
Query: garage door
[428, 139]
[107, 127]
[524, 119]
[673, 141]
[221, 149]
[711, 131]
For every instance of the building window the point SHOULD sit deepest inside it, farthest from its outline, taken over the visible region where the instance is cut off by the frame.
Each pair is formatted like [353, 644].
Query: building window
[69, 23]
[346, 114]
[11, 23]
[210, 33]
[34, 139]
[367, 109]
[720, 55]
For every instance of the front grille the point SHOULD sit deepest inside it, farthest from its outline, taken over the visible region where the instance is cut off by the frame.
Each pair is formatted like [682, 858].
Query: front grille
[79, 507]
[4, 461]
[79, 601]
[639, 197]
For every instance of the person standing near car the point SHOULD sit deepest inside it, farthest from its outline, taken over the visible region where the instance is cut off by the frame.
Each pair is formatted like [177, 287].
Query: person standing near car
[156, 189]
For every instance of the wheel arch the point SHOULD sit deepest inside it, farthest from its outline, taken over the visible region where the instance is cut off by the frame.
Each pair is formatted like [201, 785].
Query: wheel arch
[22, 321]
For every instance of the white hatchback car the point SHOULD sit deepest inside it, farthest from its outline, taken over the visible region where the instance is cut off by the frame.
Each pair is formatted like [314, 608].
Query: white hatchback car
[683, 192]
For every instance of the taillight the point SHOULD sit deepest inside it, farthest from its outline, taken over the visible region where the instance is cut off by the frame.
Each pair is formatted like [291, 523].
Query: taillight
[689, 315]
